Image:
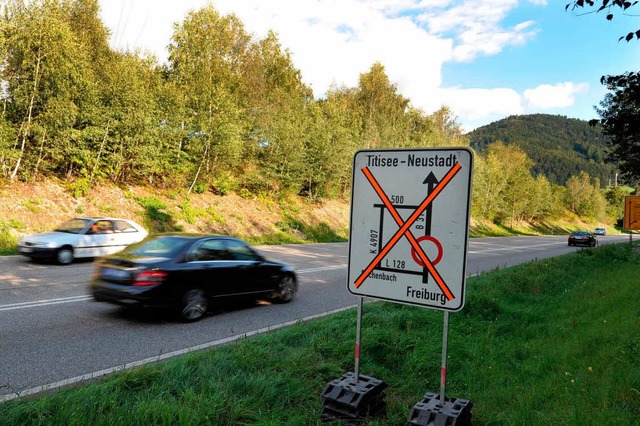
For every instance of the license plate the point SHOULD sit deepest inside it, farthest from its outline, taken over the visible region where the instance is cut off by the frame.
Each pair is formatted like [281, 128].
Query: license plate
[114, 273]
[25, 250]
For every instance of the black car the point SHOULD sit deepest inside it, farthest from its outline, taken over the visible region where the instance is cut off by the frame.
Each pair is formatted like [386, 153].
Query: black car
[186, 271]
[582, 238]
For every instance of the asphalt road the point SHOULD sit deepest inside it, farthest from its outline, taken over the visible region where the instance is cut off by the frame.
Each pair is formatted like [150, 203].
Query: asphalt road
[52, 334]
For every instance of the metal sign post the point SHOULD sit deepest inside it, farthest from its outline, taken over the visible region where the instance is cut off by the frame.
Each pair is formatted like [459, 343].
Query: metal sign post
[443, 369]
[358, 328]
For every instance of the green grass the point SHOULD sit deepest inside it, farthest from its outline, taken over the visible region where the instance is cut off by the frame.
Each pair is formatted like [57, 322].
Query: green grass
[8, 237]
[291, 231]
[552, 342]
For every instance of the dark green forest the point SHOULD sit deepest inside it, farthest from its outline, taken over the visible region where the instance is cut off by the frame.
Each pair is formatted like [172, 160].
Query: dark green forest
[560, 147]
[230, 112]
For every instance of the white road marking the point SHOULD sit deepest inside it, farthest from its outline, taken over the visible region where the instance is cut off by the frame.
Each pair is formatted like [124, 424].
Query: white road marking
[23, 305]
[487, 250]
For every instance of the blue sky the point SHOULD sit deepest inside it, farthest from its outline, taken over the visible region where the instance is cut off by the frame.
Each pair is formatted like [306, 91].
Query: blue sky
[484, 59]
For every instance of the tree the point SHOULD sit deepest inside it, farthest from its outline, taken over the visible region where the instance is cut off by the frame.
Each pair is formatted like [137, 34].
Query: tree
[47, 78]
[610, 7]
[331, 146]
[503, 187]
[278, 117]
[615, 202]
[383, 110]
[620, 121]
[585, 197]
[204, 55]
[446, 124]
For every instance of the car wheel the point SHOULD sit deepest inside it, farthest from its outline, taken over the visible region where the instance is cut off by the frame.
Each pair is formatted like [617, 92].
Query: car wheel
[194, 305]
[286, 289]
[64, 255]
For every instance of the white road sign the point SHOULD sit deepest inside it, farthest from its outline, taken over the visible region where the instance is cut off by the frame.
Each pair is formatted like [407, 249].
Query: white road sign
[410, 225]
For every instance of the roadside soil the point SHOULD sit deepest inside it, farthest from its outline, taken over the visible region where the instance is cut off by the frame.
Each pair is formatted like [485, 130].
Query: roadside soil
[28, 208]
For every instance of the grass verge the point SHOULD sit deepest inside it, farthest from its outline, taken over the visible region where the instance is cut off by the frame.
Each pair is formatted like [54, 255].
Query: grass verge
[555, 341]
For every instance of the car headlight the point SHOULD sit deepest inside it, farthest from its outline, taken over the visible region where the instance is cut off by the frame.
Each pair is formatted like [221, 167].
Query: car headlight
[47, 244]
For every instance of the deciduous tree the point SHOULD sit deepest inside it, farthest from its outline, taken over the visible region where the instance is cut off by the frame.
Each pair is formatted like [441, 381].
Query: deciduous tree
[383, 110]
[585, 197]
[620, 120]
[47, 76]
[204, 55]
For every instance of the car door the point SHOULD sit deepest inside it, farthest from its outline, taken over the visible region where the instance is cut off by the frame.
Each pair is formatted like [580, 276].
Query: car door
[125, 233]
[249, 274]
[209, 267]
[98, 240]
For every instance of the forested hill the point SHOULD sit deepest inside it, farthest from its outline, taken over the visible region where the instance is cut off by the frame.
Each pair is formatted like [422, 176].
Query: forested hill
[560, 147]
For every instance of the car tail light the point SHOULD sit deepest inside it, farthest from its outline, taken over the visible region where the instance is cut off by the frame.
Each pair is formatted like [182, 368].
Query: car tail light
[146, 278]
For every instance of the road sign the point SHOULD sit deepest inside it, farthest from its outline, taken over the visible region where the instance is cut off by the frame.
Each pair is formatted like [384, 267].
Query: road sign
[632, 212]
[410, 225]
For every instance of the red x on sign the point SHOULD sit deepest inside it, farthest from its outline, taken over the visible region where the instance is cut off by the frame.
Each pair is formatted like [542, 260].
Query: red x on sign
[404, 228]
[409, 225]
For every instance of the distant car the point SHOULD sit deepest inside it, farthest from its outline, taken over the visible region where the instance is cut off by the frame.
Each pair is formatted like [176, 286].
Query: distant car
[82, 237]
[582, 238]
[184, 272]
[600, 231]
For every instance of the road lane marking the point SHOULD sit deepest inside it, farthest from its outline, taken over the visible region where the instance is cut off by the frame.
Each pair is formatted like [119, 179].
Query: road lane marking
[487, 250]
[321, 268]
[23, 305]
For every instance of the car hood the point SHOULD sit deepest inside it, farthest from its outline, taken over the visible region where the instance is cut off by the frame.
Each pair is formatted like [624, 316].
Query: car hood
[49, 237]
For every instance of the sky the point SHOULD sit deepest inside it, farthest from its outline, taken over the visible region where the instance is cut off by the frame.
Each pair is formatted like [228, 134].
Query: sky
[484, 59]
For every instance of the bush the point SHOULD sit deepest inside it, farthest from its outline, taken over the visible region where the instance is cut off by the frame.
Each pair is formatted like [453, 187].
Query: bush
[8, 236]
[79, 187]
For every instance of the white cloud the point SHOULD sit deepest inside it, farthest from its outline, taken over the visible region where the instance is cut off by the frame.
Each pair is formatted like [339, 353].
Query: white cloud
[478, 104]
[475, 26]
[547, 96]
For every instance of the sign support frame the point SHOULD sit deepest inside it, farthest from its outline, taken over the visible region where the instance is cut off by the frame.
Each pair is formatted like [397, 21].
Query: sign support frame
[391, 180]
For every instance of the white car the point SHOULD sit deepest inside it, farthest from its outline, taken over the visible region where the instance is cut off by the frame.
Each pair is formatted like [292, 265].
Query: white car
[82, 237]
[600, 231]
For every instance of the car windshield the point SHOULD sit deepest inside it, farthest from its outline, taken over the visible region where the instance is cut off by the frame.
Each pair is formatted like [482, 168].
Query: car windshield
[73, 226]
[159, 246]
[580, 233]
